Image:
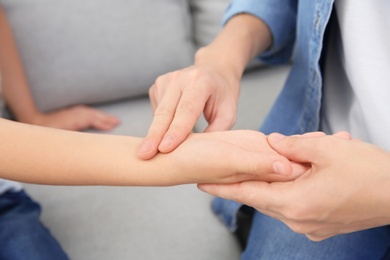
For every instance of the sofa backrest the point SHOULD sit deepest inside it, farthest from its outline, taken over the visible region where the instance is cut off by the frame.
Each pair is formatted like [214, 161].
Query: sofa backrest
[207, 19]
[91, 51]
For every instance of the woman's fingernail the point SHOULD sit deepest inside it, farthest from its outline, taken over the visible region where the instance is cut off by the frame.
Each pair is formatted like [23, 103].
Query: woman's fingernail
[145, 147]
[166, 142]
[279, 168]
[276, 137]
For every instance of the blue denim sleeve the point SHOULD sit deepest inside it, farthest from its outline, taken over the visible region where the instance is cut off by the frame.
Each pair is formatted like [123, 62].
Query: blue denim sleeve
[280, 17]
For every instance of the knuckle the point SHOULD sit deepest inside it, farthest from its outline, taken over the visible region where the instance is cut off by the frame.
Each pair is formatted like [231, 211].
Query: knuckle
[244, 197]
[296, 213]
[163, 111]
[258, 168]
[204, 78]
[239, 197]
[183, 129]
[157, 87]
[174, 75]
[293, 146]
[197, 74]
[186, 107]
[168, 77]
[160, 80]
[298, 227]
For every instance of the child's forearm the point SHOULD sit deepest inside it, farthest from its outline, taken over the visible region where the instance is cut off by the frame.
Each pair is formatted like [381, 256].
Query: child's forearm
[36, 154]
[49, 156]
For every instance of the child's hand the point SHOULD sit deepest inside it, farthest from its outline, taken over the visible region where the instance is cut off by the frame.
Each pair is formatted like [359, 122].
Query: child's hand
[228, 157]
[76, 118]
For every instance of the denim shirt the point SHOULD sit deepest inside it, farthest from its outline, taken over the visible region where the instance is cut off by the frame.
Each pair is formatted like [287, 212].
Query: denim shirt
[298, 29]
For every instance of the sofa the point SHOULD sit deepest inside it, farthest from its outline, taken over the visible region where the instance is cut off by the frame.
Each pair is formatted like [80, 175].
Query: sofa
[107, 53]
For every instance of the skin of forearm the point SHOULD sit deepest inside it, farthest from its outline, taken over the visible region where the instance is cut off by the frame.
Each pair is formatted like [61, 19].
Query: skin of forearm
[383, 196]
[16, 91]
[35, 154]
[242, 38]
[41, 155]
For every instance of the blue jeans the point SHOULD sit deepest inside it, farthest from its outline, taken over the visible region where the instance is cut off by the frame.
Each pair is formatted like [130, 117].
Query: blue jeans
[22, 235]
[272, 239]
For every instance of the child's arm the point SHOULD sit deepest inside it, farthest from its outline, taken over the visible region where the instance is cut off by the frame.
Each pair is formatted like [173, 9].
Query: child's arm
[35, 154]
[18, 96]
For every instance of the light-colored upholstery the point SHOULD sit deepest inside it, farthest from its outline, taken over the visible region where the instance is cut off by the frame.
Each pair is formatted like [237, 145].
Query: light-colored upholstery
[107, 53]
[94, 51]
[207, 19]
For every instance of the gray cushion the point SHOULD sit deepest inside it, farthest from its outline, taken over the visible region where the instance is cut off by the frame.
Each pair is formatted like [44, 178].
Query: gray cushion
[207, 17]
[140, 223]
[207, 22]
[93, 51]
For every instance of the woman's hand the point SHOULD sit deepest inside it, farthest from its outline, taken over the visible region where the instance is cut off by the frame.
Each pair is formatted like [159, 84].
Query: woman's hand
[178, 100]
[345, 189]
[210, 86]
[227, 157]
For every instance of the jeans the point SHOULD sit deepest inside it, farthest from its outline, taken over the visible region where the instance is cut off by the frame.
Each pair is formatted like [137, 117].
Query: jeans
[22, 235]
[271, 239]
